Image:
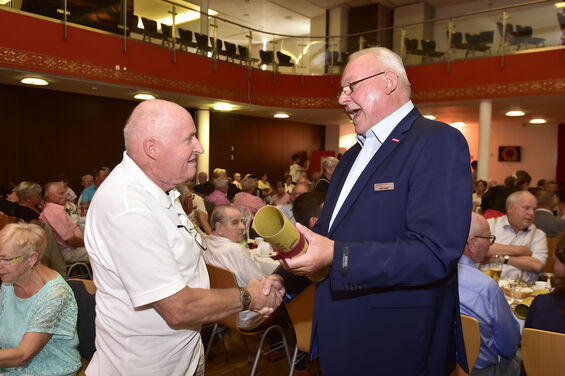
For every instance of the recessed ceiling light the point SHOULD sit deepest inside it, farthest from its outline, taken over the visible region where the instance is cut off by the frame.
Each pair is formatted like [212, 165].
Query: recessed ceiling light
[34, 81]
[223, 107]
[560, 4]
[144, 96]
[515, 113]
[281, 115]
[458, 124]
[431, 117]
[538, 121]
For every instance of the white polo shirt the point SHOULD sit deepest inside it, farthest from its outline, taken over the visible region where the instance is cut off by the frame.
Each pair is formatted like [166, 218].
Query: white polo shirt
[139, 255]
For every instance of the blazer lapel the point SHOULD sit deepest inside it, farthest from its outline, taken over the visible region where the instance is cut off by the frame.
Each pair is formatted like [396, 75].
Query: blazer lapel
[391, 143]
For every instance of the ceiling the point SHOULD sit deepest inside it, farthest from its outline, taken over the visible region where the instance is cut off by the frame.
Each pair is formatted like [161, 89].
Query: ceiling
[289, 17]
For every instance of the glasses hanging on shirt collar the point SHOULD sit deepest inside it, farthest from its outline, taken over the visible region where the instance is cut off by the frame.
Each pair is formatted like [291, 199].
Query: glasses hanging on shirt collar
[196, 236]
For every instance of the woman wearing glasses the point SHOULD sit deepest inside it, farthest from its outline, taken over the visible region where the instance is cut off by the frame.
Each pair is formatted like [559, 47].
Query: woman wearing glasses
[38, 311]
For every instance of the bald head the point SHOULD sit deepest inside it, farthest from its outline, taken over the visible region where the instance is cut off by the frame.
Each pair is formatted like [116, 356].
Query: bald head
[160, 137]
[477, 242]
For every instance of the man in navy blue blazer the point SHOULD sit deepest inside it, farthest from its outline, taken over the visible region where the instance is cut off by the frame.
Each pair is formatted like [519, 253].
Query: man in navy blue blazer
[394, 225]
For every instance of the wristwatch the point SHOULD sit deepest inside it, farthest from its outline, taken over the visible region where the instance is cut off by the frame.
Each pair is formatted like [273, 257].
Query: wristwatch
[245, 297]
[506, 258]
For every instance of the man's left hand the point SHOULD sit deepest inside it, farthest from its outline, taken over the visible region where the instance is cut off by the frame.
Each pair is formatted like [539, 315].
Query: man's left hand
[320, 253]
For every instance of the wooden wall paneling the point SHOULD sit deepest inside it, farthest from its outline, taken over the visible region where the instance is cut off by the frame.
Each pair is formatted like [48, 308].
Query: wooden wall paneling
[260, 144]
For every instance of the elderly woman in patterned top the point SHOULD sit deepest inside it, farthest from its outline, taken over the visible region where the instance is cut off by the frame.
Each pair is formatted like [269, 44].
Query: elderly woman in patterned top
[38, 311]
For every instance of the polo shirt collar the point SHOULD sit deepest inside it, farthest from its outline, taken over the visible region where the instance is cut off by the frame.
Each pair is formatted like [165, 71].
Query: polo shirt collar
[506, 225]
[147, 184]
[384, 128]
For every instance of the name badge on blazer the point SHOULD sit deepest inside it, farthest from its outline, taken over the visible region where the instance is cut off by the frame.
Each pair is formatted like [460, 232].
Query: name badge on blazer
[384, 186]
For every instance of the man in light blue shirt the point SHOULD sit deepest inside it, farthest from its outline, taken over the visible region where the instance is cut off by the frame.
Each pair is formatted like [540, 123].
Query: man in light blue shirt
[481, 297]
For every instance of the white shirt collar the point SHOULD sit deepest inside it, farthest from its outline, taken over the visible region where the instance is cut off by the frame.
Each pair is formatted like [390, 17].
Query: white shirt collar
[506, 225]
[147, 184]
[384, 128]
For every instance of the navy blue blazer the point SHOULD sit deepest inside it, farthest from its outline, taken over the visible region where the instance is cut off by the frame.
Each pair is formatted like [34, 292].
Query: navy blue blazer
[390, 305]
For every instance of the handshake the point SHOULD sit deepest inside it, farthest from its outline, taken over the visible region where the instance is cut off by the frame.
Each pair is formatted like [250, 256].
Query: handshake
[266, 295]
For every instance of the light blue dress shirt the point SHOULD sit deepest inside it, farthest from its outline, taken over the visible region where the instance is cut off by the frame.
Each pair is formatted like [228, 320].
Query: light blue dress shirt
[370, 144]
[481, 297]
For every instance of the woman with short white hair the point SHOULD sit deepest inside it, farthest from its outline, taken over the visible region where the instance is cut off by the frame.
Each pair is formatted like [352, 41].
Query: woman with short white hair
[38, 311]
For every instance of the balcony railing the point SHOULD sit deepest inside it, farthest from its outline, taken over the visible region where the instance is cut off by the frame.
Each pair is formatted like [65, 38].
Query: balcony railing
[494, 32]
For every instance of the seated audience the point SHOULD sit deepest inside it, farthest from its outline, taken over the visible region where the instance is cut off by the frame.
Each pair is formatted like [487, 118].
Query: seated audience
[561, 202]
[204, 187]
[218, 196]
[68, 235]
[280, 197]
[547, 312]
[8, 199]
[225, 250]
[544, 218]
[288, 184]
[88, 189]
[522, 245]
[307, 206]
[481, 297]
[297, 190]
[194, 207]
[493, 202]
[38, 311]
[328, 166]
[71, 195]
[88, 193]
[264, 185]
[480, 189]
[548, 185]
[29, 201]
[237, 180]
[246, 197]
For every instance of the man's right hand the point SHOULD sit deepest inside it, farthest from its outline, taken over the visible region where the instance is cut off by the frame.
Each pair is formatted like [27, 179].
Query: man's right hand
[266, 295]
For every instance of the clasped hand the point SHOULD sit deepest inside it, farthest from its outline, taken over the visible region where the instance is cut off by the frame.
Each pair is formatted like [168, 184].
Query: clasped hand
[266, 295]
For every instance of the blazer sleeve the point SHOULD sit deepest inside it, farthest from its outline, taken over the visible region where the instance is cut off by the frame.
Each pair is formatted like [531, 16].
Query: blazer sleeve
[436, 219]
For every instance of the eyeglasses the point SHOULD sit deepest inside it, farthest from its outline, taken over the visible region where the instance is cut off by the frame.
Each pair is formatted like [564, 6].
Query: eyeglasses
[491, 237]
[196, 235]
[10, 261]
[348, 88]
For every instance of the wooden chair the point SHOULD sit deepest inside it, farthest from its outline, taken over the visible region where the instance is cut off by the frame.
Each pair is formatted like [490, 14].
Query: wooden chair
[300, 309]
[84, 291]
[542, 352]
[224, 279]
[548, 268]
[472, 338]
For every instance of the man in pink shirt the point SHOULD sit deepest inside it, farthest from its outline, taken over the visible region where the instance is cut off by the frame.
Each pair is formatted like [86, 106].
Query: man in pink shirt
[219, 197]
[68, 235]
[246, 197]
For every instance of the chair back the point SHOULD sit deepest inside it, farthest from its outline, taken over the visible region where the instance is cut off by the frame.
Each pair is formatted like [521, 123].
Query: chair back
[201, 39]
[185, 35]
[267, 57]
[243, 51]
[542, 352]
[223, 279]
[548, 268]
[84, 291]
[472, 338]
[486, 36]
[230, 48]
[167, 31]
[411, 44]
[300, 309]
[149, 25]
[428, 45]
[561, 19]
[456, 38]
[283, 58]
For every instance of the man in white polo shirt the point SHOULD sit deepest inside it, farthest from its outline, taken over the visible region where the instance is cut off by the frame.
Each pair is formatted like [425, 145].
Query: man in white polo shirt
[152, 285]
